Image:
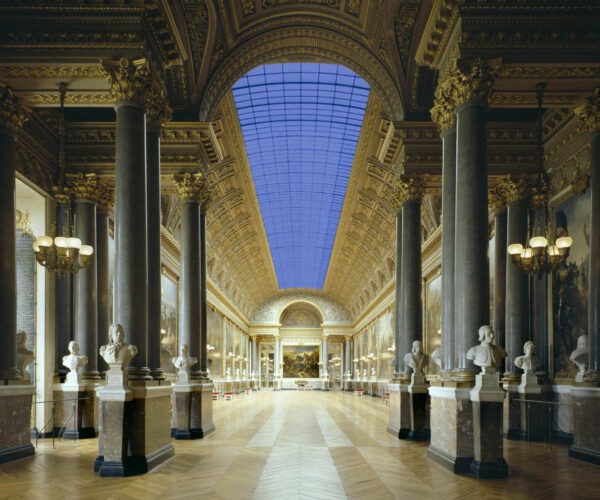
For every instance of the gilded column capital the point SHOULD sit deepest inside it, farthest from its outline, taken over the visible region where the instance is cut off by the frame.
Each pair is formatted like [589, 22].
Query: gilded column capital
[496, 201]
[84, 187]
[512, 190]
[193, 187]
[589, 111]
[158, 110]
[538, 191]
[443, 111]
[62, 195]
[408, 189]
[128, 79]
[106, 198]
[13, 114]
[472, 82]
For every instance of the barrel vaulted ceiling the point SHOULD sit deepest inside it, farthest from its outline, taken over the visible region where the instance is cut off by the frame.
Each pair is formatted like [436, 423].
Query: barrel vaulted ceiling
[202, 47]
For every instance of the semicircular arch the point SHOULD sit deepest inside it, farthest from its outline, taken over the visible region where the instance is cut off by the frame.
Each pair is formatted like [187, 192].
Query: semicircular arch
[314, 44]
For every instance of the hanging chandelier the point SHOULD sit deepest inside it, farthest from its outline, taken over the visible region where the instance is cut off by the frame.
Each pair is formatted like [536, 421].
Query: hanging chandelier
[541, 253]
[62, 254]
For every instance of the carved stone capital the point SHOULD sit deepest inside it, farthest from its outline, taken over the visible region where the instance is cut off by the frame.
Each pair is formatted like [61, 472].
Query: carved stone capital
[106, 198]
[13, 114]
[589, 112]
[193, 187]
[158, 110]
[472, 82]
[84, 187]
[496, 201]
[444, 106]
[128, 80]
[512, 190]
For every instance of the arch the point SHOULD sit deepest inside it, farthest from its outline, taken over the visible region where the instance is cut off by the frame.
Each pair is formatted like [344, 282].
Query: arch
[293, 302]
[301, 313]
[300, 45]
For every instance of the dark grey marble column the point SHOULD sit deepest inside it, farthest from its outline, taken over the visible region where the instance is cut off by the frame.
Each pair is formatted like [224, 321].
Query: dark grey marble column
[105, 203]
[498, 206]
[539, 290]
[85, 296]
[412, 309]
[129, 83]
[517, 281]
[589, 115]
[12, 117]
[189, 282]
[203, 292]
[471, 268]
[399, 373]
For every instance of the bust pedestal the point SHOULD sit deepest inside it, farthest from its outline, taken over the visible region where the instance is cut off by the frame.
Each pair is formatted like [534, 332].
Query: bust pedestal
[487, 398]
[192, 416]
[419, 403]
[399, 423]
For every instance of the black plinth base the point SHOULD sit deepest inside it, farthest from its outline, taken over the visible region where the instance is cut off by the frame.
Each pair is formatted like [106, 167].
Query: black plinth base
[489, 470]
[420, 435]
[404, 434]
[16, 452]
[586, 454]
[458, 465]
[516, 434]
[83, 433]
[192, 433]
[133, 466]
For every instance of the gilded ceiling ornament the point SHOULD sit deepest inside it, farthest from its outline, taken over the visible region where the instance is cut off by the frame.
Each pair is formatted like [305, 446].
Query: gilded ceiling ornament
[248, 7]
[589, 111]
[13, 114]
[84, 186]
[193, 187]
[512, 190]
[472, 82]
[62, 195]
[158, 110]
[128, 79]
[106, 198]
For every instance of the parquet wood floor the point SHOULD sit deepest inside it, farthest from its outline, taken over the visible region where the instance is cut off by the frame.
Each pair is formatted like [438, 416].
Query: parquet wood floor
[298, 445]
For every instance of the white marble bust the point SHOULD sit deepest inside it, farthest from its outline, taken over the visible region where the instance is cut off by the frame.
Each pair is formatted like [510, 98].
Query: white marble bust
[24, 356]
[365, 374]
[486, 355]
[527, 362]
[373, 373]
[184, 361]
[416, 358]
[117, 351]
[357, 374]
[73, 361]
[580, 357]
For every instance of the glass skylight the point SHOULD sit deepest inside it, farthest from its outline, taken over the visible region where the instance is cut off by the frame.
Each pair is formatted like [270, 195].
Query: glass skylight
[301, 123]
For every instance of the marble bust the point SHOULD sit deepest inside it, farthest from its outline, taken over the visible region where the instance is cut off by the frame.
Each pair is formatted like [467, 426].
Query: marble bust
[184, 361]
[527, 362]
[373, 373]
[73, 361]
[486, 355]
[580, 357]
[117, 351]
[357, 374]
[365, 374]
[416, 358]
[24, 356]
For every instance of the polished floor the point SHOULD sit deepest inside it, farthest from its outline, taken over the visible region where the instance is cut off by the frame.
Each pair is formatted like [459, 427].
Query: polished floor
[298, 445]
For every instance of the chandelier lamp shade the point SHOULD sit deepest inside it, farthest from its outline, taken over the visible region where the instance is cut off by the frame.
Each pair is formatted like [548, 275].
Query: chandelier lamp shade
[63, 255]
[541, 253]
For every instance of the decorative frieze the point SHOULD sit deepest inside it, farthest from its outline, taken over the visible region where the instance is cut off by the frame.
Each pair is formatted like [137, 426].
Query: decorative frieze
[589, 111]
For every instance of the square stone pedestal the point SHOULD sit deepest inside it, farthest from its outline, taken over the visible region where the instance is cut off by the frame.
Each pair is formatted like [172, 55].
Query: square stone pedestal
[135, 434]
[192, 416]
[76, 415]
[528, 411]
[399, 421]
[15, 421]
[487, 398]
[451, 423]
[419, 409]
[586, 430]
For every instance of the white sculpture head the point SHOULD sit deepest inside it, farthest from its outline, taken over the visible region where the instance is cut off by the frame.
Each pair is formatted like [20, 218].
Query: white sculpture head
[74, 348]
[529, 348]
[486, 334]
[417, 347]
[116, 333]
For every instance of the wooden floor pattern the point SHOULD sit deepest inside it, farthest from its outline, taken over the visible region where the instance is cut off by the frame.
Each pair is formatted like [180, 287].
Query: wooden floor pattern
[298, 445]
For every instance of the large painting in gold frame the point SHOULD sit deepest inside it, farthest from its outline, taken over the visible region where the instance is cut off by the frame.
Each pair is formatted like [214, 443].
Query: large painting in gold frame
[301, 361]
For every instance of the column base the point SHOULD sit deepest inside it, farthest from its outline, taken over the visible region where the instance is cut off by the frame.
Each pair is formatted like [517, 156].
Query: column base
[15, 415]
[489, 470]
[399, 416]
[133, 466]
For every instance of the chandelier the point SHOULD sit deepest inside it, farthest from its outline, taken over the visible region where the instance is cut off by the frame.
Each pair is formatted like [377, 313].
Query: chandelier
[63, 254]
[541, 253]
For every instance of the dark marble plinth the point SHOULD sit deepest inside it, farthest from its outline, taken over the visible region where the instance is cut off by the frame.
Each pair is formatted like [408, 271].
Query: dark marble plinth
[15, 418]
[399, 416]
[488, 460]
[75, 416]
[192, 416]
[419, 417]
[586, 431]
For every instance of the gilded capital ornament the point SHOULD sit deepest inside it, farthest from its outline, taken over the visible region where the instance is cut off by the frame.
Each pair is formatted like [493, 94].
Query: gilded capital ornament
[158, 110]
[589, 111]
[496, 201]
[472, 82]
[538, 191]
[13, 114]
[512, 190]
[444, 107]
[128, 79]
[409, 188]
[62, 195]
[84, 187]
[193, 187]
[106, 198]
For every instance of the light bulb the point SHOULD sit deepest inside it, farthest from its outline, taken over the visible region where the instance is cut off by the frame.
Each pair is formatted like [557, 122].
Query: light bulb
[526, 253]
[60, 242]
[86, 250]
[74, 243]
[538, 242]
[564, 242]
[42, 241]
[515, 249]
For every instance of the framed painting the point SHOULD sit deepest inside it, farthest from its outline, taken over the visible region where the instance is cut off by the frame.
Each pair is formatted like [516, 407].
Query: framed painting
[432, 312]
[168, 323]
[300, 361]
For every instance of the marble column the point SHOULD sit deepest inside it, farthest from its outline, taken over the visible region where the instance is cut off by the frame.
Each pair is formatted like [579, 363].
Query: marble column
[276, 367]
[15, 401]
[203, 359]
[514, 192]
[129, 80]
[324, 355]
[443, 114]
[586, 400]
[158, 113]
[254, 350]
[498, 208]
[105, 205]
[84, 189]
[399, 373]
[347, 355]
